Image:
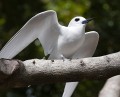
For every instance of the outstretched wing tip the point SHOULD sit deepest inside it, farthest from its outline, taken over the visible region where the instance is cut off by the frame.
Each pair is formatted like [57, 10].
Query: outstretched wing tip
[96, 34]
[49, 11]
[28, 33]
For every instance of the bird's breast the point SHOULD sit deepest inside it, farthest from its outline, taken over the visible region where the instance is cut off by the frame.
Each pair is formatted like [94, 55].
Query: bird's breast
[69, 44]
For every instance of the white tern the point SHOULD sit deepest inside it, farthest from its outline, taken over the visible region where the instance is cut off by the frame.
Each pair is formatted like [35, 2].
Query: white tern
[71, 42]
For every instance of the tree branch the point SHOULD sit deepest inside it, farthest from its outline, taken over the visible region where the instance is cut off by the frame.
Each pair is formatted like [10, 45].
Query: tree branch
[111, 87]
[16, 73]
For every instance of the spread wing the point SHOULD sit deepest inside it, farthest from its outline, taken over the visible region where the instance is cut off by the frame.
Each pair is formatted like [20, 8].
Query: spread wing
[43, 26]
[89, 46]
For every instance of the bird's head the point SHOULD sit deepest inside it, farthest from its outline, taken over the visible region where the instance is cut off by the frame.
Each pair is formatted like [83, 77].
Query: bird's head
[79, 21]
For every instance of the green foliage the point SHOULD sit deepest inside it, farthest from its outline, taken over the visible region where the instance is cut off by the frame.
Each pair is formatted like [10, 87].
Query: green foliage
[15, 13]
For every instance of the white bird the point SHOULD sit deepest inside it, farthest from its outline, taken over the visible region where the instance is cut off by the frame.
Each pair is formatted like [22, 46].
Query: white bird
[59, 41]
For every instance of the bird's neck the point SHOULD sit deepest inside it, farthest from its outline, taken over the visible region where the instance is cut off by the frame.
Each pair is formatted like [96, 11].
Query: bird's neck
[79, 29]
[78, 26]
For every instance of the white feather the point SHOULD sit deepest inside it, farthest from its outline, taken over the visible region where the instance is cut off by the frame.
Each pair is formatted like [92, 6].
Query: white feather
[69, 89]
[42, 25]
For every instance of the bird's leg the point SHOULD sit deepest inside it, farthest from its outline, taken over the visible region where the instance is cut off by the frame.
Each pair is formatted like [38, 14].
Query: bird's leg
[63, 58]
[46, 57]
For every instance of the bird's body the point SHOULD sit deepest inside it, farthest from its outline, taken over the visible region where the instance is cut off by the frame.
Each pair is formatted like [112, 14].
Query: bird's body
[70, 41]
[57, 40]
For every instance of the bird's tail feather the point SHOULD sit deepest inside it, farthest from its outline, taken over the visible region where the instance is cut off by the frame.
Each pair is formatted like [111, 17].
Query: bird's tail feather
[69, 89]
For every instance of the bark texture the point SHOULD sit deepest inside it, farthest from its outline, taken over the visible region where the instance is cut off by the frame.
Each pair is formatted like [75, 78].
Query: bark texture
[16, 73]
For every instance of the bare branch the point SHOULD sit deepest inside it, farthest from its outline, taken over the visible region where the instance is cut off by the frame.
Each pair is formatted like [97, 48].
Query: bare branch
[111, 88]
[15, 73]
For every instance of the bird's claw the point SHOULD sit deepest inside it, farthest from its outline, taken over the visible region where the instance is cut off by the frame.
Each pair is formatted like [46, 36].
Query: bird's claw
[63, 58]
[46, 57]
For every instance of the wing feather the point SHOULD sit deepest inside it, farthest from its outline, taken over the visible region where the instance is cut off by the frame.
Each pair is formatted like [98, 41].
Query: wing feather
[37, 26]
[89, 46]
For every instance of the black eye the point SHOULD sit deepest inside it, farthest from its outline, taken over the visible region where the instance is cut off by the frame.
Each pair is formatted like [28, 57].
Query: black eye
[77, 19]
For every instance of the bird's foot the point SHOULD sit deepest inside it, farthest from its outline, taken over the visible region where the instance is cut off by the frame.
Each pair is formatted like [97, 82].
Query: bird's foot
[64, 59]
[46, 57]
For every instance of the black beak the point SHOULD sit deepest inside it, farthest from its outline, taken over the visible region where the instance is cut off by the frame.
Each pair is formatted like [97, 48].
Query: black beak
[87, 20]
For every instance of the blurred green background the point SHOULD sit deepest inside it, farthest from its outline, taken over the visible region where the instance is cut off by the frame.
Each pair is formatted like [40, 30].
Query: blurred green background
[15, 13]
